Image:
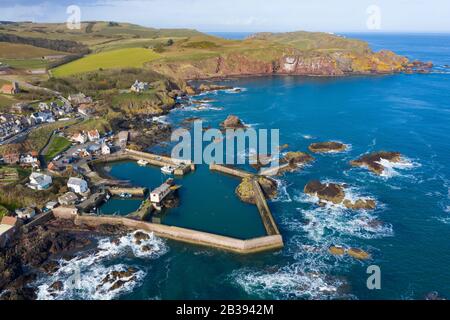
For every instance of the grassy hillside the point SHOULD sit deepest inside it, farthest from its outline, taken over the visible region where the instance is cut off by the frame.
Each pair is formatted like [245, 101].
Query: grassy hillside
[23, 51]
[116, 59]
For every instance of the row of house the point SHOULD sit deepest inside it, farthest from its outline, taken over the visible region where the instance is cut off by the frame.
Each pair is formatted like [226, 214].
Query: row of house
[83, 137]
[27, 160]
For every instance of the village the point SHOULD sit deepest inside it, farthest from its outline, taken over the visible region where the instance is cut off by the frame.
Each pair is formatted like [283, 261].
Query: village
[70, 164]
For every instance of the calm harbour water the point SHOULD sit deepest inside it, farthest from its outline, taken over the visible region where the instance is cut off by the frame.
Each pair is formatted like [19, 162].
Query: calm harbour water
[405, 113]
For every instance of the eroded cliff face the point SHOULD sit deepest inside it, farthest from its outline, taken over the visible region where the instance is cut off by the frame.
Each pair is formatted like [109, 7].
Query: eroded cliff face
[337, 63]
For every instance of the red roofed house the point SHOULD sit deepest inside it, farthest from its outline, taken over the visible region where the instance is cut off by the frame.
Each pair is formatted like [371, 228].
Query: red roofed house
[10, 88]
[93, 135]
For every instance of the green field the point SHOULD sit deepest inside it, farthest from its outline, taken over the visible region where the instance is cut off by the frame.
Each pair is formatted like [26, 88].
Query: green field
[57, 145]
[116, 59]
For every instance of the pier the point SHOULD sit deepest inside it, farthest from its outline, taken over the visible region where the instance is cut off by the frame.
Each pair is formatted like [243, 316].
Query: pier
[264, 211]
[134, 192]
[187, 235]
[230, 171]
[270, 172]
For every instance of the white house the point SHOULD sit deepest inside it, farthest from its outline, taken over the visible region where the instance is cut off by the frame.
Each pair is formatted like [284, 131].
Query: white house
[106, 149]
[28, 159]
[25, 213]
[41, 117]
[79, 137]
[78, 185]
[39, 181]
[93, 135]
[139, 86]
[157, 195]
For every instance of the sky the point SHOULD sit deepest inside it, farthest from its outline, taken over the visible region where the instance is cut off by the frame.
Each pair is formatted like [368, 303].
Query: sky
[247, 15]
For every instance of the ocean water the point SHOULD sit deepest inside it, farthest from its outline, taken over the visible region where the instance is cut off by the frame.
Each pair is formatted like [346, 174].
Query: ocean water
[405, 113]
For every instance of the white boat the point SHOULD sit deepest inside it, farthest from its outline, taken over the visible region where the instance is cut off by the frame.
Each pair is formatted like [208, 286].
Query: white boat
[142, 162]
[168, 169]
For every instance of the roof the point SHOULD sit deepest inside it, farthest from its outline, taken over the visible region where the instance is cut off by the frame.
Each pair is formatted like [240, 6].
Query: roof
[77, 181]
[68, 197]
[10, 221]
[7, 87]
[4, 228]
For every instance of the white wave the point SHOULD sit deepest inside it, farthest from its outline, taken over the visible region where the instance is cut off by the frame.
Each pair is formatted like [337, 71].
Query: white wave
[235, 90]
[160, 119]
[290, 282]
[308, 137]
[83, 276]
[283, 194]
[391, 168]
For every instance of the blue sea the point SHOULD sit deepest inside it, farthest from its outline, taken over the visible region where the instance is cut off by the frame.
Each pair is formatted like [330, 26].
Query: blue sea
[410, 241]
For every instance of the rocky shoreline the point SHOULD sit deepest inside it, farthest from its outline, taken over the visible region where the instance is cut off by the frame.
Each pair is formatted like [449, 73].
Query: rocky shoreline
[35, 251]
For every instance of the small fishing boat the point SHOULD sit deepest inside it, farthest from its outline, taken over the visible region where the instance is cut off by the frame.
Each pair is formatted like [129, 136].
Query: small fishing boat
[168, 170]
[142, 162]
[125, 195]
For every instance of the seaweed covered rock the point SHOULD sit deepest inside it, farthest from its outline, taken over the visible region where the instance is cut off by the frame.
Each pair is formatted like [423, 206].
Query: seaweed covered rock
[373, 161]
[232, 122]
[330, 192]
[246, 192]
[327, 147]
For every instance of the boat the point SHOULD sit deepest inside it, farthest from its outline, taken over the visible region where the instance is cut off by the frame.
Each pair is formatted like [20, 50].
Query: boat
[125, 195]
[168, 170]
[142, 162]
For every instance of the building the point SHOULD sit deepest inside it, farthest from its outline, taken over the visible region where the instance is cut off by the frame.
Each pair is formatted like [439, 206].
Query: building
[11, 158]
[28, 159]
[93, 135]
[79, 98]
[158, 195]
[85, 109]
[10, 88]
[42, 117]
[79, 137]
[51, 205]
[7, 228]
[20, 107]
[106, 149]
[25, 213]
[78, 185]
[68, 199]
[139, 86]
[39, 181]
[122, 137]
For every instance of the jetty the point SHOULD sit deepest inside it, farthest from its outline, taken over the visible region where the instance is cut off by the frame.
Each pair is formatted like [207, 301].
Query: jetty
[135, 192]
[182, 234]
[230, 171]
[264, 211]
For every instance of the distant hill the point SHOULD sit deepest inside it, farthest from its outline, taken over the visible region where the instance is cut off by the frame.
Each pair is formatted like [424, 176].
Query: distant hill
[190, 54]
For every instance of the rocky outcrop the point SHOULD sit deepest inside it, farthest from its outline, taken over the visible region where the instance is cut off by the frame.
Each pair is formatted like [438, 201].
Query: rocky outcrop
[358, 254]
[117, 279]
[140, 236]
[246, 193]
[355, 253]
[35, 249]
[329, 192]
[335, 193]
[212, 87]
[232, 122]
[372, 161]
[327, 147]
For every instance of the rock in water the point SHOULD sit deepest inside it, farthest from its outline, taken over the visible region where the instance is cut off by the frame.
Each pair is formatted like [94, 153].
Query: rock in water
[358, 254]
[326, 147]
[140, 236]
[360, 204]
[246, 193]
[336, 250]
[330, 192]
[57, 286]
[372, 160]
[232, 122]
[212, 87]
